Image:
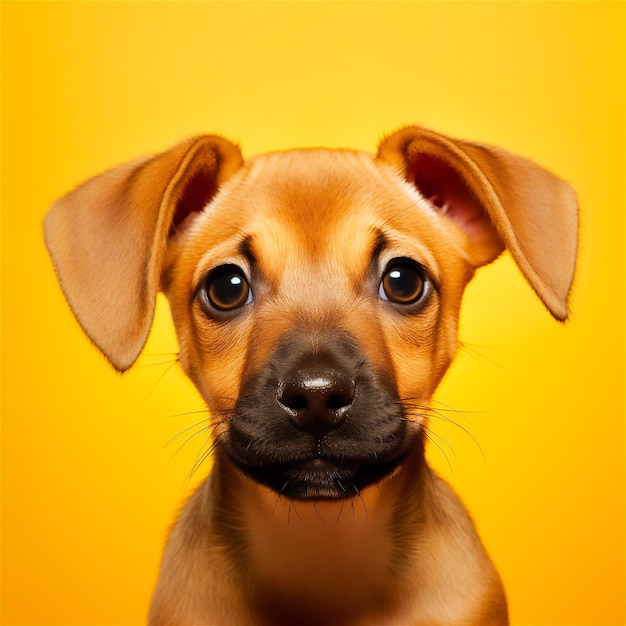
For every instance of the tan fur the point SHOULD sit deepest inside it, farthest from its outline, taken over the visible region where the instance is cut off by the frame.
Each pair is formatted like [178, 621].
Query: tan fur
[403, 551]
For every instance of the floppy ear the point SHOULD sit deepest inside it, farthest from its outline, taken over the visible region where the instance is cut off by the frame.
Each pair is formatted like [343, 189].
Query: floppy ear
[107, 238]
[498, 200]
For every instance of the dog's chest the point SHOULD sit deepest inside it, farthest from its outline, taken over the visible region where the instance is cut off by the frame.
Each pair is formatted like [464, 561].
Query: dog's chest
[314, 550]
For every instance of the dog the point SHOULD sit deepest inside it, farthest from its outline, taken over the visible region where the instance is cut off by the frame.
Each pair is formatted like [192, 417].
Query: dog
[315, 295]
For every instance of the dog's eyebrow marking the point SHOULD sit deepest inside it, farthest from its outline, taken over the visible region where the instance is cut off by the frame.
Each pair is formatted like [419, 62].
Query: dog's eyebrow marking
[380, 243]
[246, 251]
[378, 247]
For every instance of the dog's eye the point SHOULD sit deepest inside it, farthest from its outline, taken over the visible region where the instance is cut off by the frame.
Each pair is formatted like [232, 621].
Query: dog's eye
[226, 288]
[403, 282]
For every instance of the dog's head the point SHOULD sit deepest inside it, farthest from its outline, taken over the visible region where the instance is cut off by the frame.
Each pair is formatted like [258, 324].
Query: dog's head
[315, 293]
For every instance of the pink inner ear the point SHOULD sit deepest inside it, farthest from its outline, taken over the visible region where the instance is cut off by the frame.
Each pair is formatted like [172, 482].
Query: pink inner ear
[446, 190]
[197, 192]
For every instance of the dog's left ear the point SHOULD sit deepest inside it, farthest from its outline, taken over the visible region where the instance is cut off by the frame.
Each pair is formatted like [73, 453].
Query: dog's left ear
[499, 201]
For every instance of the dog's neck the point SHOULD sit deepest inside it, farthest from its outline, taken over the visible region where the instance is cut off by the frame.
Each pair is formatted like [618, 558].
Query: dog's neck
[324, 552]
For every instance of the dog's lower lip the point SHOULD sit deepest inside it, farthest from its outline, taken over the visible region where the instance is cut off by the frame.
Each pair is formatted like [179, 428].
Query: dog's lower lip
[320, 477]
[316, 464]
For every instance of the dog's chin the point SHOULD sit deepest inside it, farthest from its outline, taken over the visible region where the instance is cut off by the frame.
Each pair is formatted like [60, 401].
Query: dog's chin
[319, 478]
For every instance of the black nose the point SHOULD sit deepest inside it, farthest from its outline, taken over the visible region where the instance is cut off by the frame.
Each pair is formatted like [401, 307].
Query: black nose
[317, 399]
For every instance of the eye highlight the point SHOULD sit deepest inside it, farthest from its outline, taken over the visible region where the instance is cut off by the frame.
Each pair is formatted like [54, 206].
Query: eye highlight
[403, 282]
[225, 289]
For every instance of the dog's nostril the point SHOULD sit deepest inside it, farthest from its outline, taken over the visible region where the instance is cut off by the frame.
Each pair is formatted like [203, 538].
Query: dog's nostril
[316, 400]
[338, 401]
[293, 400]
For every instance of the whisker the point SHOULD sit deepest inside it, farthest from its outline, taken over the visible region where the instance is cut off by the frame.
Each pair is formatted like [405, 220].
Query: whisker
[448, 420]
[444, 441]
[202, 423]
[206, 428]
[159, 363]
[212, 420]
[475, 351]
[279, 500]
[340, 512]
[448, 408]
[162, 375]
[186, 413]
[200, 459]
[428, 412]
[443, 452]
[205, 423]
[359, 495]
[292, 505]
[147, 356]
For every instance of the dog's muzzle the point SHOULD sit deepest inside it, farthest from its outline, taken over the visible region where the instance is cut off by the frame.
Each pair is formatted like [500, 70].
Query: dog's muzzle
[317, 421]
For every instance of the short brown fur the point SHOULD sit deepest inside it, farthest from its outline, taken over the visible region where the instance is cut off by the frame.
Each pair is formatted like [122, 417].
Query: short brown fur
[313, 235]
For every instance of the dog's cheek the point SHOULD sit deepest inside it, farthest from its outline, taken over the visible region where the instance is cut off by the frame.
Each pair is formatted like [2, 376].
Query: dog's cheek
[212, 356]
[415, 368]
[421, 352]
[222, 362]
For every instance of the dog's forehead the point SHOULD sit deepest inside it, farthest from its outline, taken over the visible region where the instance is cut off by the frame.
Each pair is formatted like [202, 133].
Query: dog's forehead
[318, 197]
[311, 197]
[326, 186]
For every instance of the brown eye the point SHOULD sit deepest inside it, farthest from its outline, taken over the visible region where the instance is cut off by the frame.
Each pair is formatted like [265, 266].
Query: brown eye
[226, 289]
[403, 282]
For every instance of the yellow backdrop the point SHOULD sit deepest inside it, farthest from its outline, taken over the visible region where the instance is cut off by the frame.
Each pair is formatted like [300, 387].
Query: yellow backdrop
[94, 465]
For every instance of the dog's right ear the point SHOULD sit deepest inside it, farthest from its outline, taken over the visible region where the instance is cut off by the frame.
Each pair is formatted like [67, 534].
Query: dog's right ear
[107, 238]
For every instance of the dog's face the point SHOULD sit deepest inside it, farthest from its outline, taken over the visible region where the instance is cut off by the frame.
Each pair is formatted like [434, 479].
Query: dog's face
[315, 293]
[316, 314]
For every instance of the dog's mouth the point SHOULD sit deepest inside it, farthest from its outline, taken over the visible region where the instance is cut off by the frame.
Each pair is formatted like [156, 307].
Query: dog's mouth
[320, 477]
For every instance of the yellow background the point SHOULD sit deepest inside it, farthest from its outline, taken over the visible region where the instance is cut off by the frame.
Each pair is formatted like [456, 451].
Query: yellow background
[90, 482]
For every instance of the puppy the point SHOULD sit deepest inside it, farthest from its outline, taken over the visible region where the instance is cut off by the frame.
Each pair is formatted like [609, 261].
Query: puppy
[316, 296]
